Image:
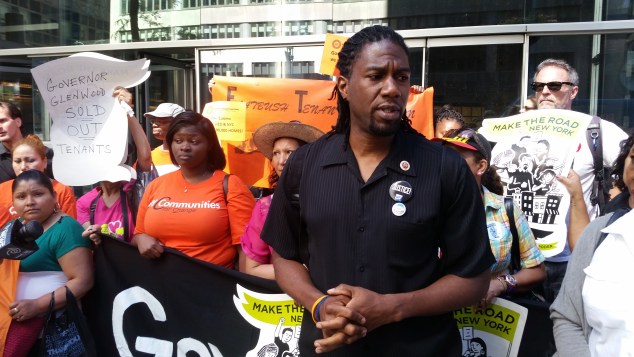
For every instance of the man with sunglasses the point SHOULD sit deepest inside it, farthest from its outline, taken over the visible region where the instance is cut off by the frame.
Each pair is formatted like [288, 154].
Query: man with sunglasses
[161, 118]
[556, 85]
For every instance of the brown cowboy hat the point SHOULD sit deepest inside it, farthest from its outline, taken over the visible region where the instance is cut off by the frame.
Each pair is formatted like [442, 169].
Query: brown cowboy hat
[265, 136]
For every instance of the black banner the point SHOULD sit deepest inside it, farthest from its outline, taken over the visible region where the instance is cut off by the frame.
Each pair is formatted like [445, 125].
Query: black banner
[178, 306]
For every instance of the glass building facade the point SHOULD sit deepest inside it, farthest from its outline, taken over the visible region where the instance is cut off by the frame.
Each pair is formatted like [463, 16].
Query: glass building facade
[478, 55]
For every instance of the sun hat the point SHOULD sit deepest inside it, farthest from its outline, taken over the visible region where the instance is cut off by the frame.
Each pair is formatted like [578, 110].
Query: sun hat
[469, 139]
[265, 136]
[165, 110]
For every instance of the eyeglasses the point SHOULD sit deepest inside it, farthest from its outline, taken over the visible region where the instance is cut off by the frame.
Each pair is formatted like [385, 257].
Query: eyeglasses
[552, 86]
[160, 121]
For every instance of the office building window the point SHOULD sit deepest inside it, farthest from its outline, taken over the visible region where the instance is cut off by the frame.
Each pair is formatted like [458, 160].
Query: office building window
[221, 31]
[266, 69]
[190, 3]
[188, 33]
[302, 67]
[220, 2]
[222, 69]
[298, 28]
[264, 29]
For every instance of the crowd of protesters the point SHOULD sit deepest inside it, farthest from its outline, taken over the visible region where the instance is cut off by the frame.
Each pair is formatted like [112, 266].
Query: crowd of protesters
[349, 247]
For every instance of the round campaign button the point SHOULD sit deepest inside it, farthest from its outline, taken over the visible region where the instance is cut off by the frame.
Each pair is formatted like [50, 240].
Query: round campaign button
[401, 191]
[405, 165]
[399, 209]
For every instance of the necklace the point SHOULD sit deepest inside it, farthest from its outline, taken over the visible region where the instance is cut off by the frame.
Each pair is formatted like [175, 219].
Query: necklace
[205, 176]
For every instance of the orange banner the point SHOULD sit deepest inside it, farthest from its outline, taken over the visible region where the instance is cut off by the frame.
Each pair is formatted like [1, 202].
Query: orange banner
[280, 99]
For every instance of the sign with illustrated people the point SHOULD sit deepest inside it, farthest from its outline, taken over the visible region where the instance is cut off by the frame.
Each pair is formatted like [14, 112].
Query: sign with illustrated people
[492, 331]
[531, 149]
[89, 130]
[278, 319]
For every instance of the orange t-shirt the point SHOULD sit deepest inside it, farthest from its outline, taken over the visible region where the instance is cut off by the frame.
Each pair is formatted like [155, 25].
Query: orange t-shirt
[65, 198]
[194, 218]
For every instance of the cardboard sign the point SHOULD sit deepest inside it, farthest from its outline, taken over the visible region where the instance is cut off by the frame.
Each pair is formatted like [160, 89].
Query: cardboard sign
[90, 129]
[532, 149]
[330, 56]
[229, 119]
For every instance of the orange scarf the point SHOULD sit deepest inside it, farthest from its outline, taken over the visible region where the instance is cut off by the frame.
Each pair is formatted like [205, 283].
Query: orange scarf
[9, 270]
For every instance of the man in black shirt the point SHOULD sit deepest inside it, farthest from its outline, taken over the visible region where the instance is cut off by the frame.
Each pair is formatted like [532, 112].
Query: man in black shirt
[10, 124]
[390, 227]
[11, 133]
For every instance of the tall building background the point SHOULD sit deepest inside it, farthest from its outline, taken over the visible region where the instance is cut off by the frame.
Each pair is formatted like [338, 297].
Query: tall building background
[478, 55]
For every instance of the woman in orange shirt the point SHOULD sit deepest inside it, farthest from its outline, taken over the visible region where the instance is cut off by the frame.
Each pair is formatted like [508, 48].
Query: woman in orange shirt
[30, 154]
[187, 209]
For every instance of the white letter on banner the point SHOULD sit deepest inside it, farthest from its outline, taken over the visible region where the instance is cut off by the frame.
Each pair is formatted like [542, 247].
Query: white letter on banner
[189, 344]
[158, 348]
[121, 303]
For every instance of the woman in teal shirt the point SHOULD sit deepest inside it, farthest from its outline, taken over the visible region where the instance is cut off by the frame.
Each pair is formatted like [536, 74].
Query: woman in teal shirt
[64, 258]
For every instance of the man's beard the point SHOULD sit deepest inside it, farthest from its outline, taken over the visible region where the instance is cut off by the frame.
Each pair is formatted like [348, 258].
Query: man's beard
[385, 130]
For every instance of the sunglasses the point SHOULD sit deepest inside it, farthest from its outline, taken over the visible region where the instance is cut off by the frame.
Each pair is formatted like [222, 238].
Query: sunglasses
[552, 86]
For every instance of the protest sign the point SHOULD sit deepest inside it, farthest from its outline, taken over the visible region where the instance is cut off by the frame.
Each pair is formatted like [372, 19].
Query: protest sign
[532, 149]
[229, 119]
[492, 331]
[330, 55]
[89, 131]
[279, 99]
[177, 305]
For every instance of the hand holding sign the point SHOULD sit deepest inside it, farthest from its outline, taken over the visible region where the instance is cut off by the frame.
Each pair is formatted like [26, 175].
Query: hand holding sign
[89, 131]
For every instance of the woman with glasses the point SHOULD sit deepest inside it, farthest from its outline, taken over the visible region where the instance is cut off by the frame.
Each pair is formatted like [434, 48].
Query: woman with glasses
[505, 279]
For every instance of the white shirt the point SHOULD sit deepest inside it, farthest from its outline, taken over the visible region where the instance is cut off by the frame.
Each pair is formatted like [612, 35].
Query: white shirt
[608, 292]
[611, 136]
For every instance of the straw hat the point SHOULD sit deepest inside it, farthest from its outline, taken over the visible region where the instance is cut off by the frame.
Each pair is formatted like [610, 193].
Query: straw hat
[264, 137]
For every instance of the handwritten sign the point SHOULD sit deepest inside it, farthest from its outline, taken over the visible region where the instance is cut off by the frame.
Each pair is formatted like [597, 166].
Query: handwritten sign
[89, 131]
[532, 149]
[229, 119]
[330, 56]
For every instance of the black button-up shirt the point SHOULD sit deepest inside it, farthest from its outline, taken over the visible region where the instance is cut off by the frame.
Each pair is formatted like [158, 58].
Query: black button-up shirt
[6, 165]
[350, 234]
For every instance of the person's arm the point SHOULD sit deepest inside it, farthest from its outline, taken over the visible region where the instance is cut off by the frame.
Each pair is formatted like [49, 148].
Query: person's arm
[148, 246]
[278, 328]
[78, 267]
[240, 202]
[252, 267]
[346, 323]
[567, 312]
[143, 149]
[446, 294]
[578, 219]
[255, 257]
